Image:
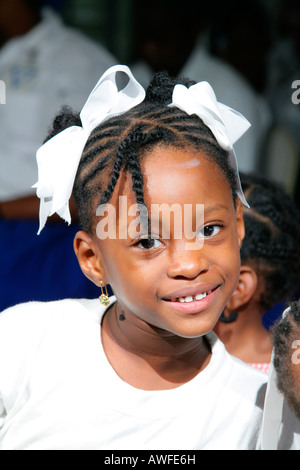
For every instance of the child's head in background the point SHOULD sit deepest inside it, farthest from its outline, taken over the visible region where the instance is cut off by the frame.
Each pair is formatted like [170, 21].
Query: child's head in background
[286, 341]
[270, 252]
[272, 242]
[269, 273]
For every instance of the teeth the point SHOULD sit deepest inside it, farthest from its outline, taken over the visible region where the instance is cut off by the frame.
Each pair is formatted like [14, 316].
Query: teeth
[189, 298]
[200, 296]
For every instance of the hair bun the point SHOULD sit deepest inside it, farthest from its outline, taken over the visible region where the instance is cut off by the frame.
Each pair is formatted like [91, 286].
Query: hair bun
[160, 89]
[66, 118]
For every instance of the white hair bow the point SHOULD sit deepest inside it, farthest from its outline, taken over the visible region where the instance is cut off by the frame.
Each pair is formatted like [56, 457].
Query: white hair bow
[58, 158]
[227, 124]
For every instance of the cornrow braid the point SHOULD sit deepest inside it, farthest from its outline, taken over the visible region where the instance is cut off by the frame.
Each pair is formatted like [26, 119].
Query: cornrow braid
[128, 157]
[120, 143]
[272, 241]
[284, 333]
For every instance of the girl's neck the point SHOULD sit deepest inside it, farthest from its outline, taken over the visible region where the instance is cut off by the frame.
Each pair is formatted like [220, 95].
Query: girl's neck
[147, 357]
[246, 338]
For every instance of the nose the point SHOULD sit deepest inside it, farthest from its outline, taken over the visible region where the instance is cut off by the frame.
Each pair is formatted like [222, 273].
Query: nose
[188, 263]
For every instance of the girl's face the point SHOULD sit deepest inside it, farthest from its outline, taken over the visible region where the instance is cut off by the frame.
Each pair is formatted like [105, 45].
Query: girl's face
[169, 281]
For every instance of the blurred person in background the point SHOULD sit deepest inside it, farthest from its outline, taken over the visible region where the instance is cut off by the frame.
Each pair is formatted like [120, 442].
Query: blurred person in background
[269, 272]
[286, 355]
[44, 65]
[283, 89]
[177, 37]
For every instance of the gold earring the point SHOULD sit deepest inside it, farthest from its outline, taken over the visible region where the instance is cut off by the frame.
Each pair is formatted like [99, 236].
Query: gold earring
[104, 297]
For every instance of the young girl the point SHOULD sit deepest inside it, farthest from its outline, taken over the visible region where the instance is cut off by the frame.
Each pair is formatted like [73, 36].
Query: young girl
[142, 369]
[269, 274]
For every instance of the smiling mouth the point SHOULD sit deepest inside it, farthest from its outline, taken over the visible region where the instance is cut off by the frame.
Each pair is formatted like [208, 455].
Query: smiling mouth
[190, 298]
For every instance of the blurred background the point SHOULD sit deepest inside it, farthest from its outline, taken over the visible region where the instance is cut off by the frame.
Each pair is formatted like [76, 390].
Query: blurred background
[53, 52]
[258, 39]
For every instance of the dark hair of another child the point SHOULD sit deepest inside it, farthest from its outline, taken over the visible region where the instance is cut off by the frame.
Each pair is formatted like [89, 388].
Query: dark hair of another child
[272, 242]
[120, 142]
[284, 333]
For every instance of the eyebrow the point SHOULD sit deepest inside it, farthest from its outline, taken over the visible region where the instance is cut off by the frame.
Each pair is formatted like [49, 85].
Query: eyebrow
[208, 209]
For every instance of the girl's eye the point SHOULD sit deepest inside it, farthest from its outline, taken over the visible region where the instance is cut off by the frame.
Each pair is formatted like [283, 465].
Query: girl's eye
[210, 230]
[148, 243]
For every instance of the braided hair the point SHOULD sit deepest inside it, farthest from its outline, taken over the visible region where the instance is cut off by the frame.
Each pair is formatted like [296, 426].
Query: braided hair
[284, 333]
[272, 241]
[120, 143]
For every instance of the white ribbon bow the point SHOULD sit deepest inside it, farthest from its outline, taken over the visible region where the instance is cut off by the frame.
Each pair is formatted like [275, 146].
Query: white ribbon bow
[226, 124]
[58, 158]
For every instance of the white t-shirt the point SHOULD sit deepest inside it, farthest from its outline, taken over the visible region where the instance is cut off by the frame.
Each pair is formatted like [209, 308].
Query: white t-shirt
[58, 391]
[48, 67]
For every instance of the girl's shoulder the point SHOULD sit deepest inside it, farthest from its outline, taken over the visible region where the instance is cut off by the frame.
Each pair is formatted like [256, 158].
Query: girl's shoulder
[32, 308]
[33, 317]
[242, 379]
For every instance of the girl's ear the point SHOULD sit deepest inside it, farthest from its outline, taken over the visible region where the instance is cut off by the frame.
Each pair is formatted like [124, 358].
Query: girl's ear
[240, 221]
[89, 258]
[245, 289]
